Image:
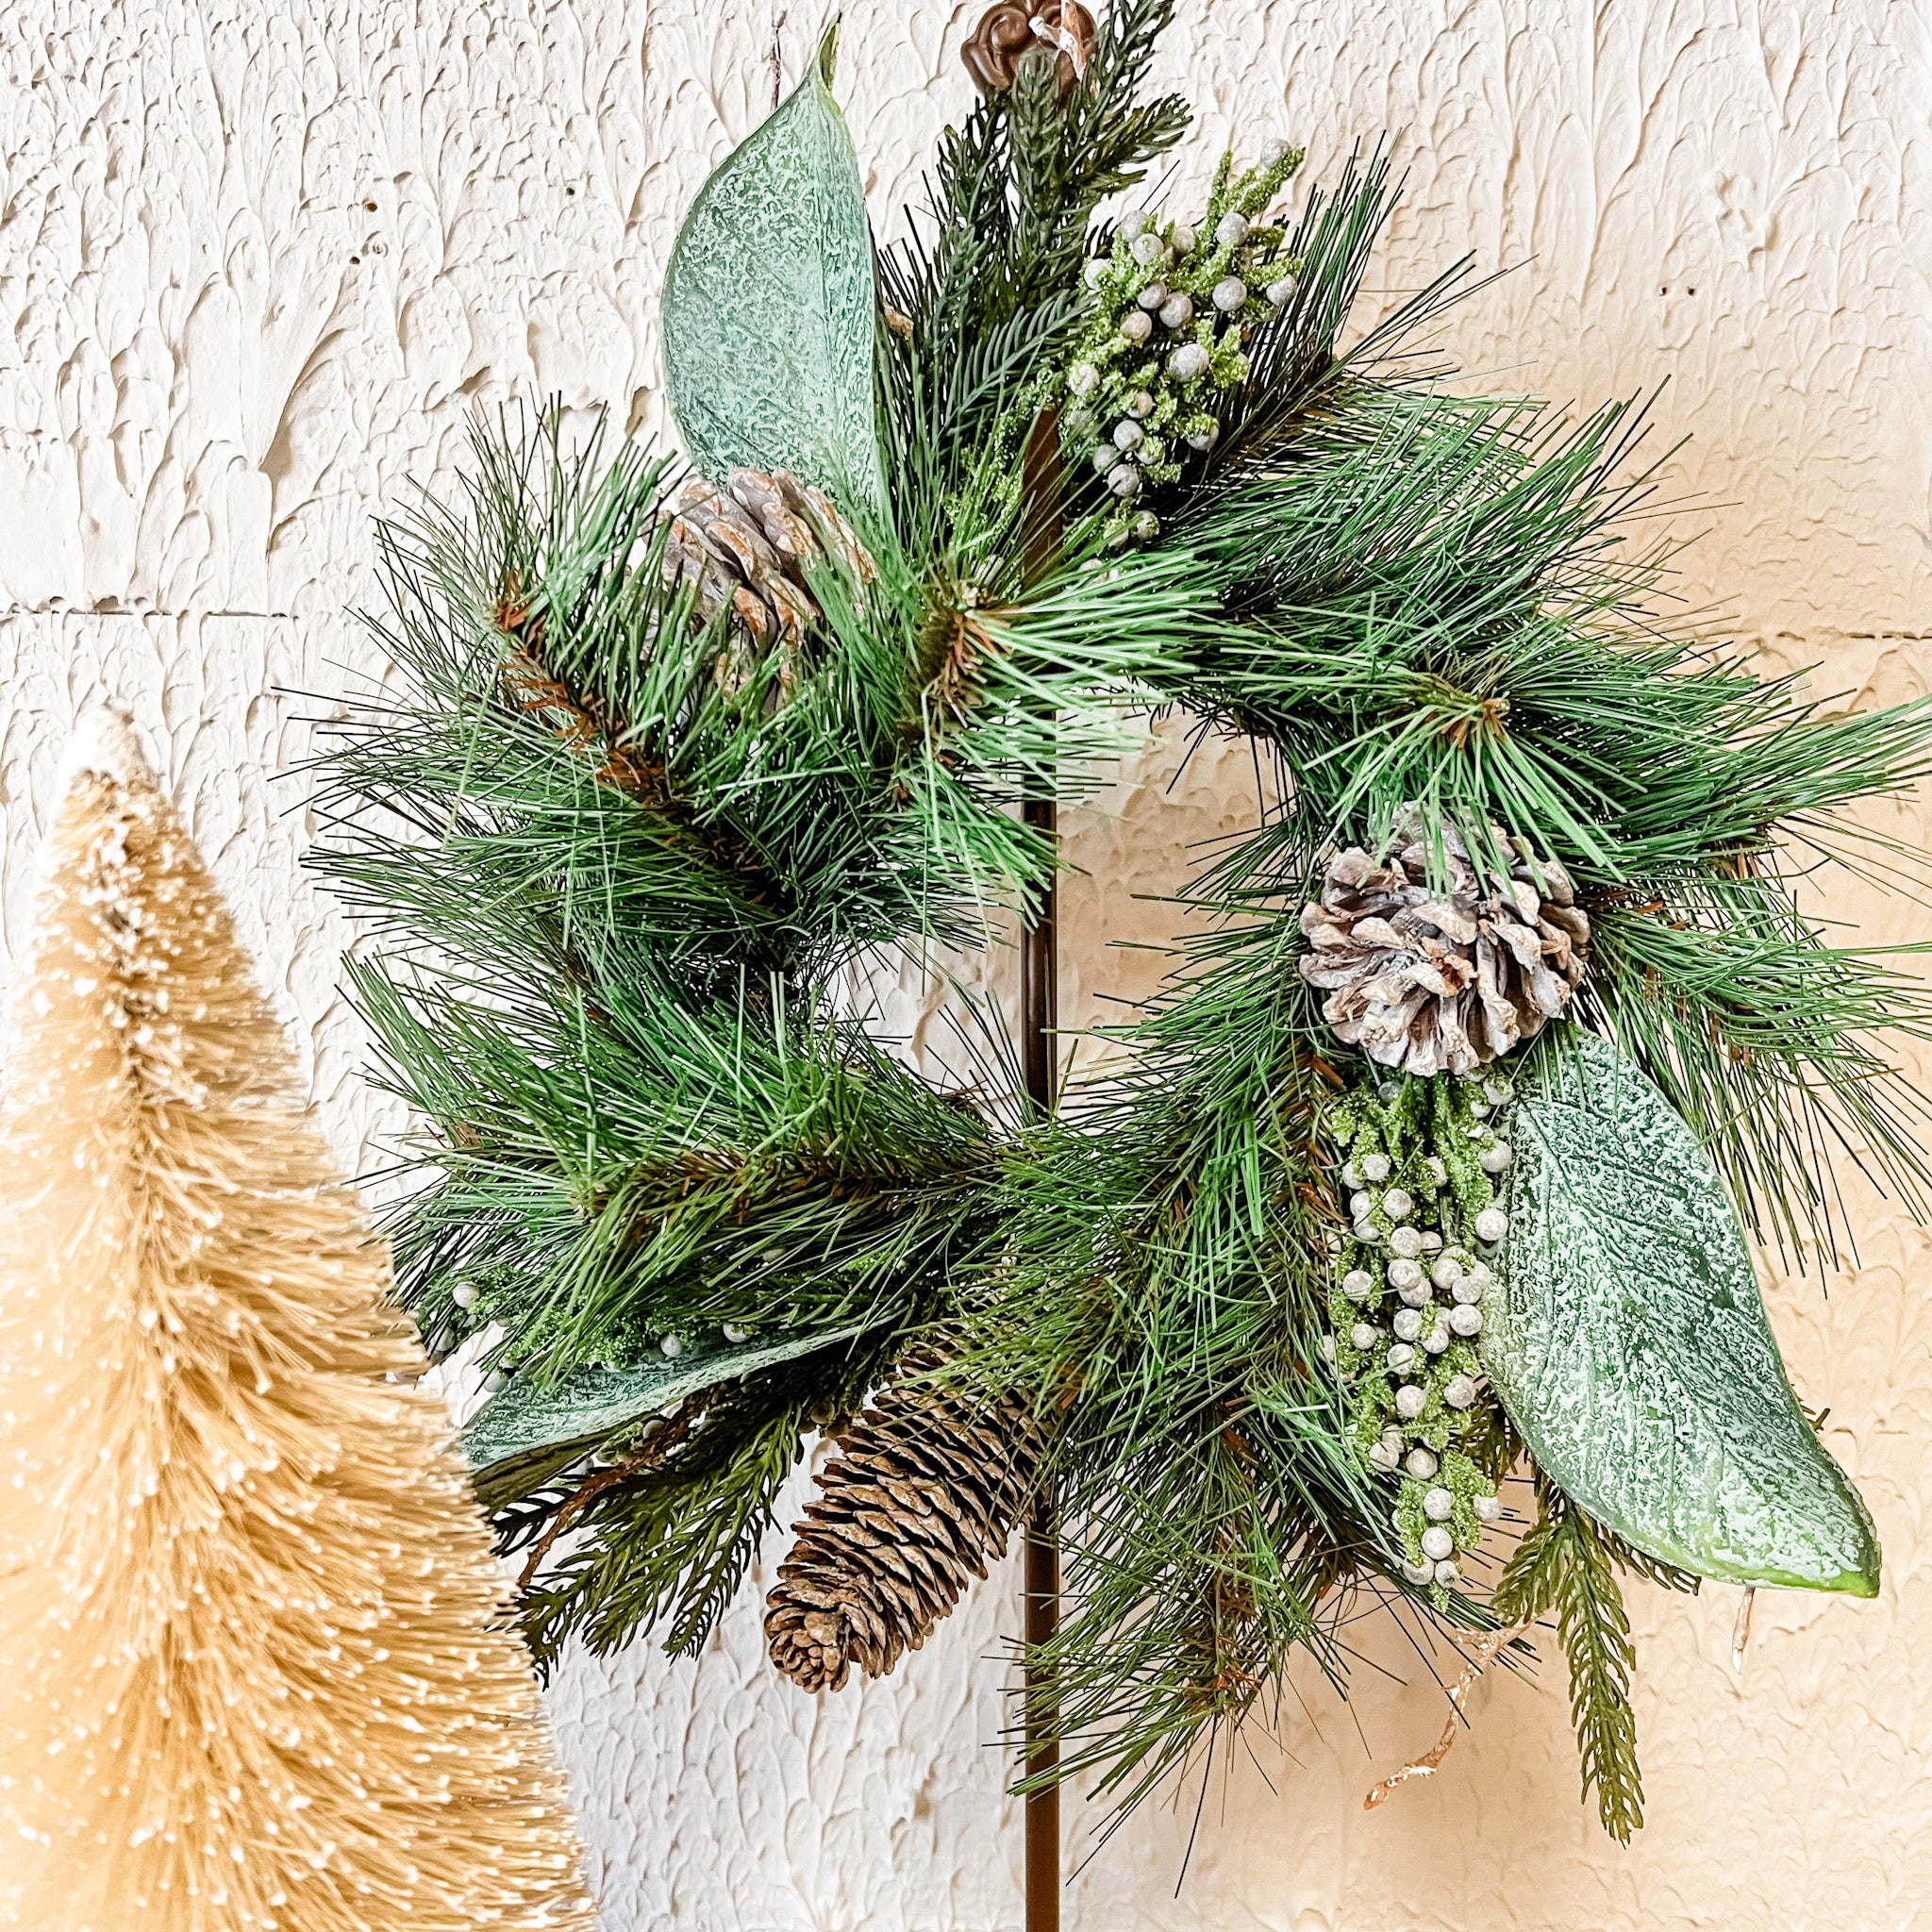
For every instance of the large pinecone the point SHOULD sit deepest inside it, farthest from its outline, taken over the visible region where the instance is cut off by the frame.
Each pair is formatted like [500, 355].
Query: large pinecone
[1433, 982]
[745, 548]
[923, 1492]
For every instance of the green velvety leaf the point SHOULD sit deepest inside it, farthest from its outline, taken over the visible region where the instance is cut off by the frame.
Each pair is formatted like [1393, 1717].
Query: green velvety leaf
[1629, 1341]
[768, 304]
[527, 1433]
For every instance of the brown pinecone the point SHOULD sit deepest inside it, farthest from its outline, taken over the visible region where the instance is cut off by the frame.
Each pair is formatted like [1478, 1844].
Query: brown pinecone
[745, 548]
[1433, 982]
[924, 1492]
[1007, 33]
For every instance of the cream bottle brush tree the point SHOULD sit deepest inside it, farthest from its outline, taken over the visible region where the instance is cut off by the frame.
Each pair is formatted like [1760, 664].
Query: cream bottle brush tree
[252, 1668]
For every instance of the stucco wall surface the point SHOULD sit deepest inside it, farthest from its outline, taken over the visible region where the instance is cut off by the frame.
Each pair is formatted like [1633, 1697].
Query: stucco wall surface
[261, 259]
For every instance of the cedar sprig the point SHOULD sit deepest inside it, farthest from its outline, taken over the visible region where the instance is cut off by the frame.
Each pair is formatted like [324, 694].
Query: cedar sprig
[1565, 1566]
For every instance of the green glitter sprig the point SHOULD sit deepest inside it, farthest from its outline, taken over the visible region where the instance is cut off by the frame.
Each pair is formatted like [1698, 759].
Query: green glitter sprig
[1173, 305]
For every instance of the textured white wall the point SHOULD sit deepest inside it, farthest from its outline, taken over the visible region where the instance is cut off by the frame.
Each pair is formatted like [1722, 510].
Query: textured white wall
[258, 260]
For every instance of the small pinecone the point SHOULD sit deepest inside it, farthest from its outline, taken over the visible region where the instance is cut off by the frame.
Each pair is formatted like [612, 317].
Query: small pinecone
[745, 548]
[1431, 982]
[1009, 32]
[923, 1492]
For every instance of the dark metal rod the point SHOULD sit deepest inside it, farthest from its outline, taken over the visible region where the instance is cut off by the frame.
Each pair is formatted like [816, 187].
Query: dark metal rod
[1039, 1015]
[1042, 1753]
[1039, 976]
[1039, 543]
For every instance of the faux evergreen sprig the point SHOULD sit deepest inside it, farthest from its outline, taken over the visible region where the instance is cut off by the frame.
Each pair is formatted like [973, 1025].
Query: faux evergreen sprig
[1565, 1566]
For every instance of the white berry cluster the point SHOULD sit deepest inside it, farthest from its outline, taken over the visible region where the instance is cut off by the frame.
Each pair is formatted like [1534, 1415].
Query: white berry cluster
[1173, 305]
[1418, 1180]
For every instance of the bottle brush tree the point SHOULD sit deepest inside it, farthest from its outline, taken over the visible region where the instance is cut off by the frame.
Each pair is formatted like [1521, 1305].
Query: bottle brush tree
[253, 1673]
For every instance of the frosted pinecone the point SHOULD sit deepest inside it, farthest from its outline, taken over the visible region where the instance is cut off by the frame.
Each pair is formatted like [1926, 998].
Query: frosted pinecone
[745, 548]
[1434, 981]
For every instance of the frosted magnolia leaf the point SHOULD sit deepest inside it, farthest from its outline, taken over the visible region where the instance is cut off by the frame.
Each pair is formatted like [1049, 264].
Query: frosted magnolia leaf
[1629, 1341]
[769, 306]
[526, 1432]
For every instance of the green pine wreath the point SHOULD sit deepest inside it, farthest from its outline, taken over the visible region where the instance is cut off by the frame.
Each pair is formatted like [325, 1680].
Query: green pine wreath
[1436, 1159]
